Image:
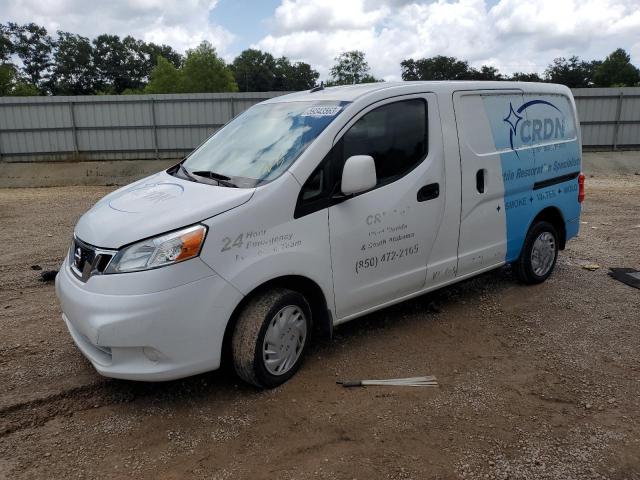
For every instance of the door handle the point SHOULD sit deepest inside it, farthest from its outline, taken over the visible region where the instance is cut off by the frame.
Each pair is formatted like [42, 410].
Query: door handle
[429, 192]
[480, 176]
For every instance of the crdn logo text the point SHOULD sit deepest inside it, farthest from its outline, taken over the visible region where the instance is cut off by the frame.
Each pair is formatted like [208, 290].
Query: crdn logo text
[537, 129]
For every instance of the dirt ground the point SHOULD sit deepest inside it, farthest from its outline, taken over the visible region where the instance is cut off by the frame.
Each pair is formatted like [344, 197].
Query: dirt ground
[536, 382]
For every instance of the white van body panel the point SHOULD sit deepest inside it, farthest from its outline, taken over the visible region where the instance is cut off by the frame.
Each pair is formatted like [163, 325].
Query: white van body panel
[363, 253]
[250, 247]
[154, 205]
[381, 240]
[157, 336]
[482, 240]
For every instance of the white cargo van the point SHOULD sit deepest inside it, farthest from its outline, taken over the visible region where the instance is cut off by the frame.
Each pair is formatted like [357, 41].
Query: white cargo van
[312, 209]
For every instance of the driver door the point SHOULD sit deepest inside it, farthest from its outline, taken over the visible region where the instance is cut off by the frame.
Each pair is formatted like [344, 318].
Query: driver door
[381, 239]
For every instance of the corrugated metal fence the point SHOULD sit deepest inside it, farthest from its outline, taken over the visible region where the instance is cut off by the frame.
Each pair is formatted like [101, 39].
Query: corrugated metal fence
[609, 117]
[114, 127]
[169, 126]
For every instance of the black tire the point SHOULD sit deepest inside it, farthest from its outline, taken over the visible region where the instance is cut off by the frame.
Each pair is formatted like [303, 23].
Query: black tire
[250, 330]
[523, 267]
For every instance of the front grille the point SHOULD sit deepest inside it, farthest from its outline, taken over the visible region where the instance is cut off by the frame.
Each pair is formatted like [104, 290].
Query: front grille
[87, 260]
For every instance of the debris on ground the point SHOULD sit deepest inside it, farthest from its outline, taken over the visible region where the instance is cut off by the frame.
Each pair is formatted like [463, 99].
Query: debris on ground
[628, 276]
[36, 267]
[591, 266]
[48, 275]
[396, 382]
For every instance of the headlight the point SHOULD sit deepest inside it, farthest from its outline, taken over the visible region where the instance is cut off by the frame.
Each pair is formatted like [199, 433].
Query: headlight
[159, 251]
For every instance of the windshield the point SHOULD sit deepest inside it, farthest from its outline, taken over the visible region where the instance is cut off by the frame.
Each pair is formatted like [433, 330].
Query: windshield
[259, 145]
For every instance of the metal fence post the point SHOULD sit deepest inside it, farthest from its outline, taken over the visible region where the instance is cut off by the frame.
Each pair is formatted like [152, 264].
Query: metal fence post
[74, 128]
[155, 127]
[616, 127]
[233, 108]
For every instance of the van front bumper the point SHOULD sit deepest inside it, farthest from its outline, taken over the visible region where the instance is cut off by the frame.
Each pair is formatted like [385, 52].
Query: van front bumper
[154, 336]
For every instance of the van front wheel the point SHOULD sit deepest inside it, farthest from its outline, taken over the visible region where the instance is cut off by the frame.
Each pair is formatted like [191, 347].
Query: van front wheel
[539, 254]
[271, 337]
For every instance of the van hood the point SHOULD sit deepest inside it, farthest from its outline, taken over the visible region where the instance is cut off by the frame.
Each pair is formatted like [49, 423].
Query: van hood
[152, 206]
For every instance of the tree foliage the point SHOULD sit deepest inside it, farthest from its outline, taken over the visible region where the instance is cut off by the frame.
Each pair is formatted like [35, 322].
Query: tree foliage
[526, 77]
[32, 62]
[73, 69]
[164, 78]
[204, 71]
[351, 67]
[572, 72]
[257, 71]
[616, 71]
[34, 47]
[435, 68]
[12, 85]
[446, 68]
[254, 71]
[290, 77]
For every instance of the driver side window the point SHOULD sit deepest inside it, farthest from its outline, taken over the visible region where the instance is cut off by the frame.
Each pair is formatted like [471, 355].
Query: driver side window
[395, 135]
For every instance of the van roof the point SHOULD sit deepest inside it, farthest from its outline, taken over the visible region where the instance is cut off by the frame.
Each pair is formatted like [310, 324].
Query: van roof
[349, 93]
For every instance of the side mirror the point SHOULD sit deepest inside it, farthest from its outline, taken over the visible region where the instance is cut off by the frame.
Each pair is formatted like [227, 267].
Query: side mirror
[358, 174]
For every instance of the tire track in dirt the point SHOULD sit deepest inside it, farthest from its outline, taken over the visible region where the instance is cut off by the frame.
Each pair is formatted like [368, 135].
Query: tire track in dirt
[105, 392]
[38, 411]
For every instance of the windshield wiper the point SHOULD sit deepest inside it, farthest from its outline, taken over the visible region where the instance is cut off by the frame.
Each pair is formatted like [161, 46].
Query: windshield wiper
[221, 179]
[187, 174]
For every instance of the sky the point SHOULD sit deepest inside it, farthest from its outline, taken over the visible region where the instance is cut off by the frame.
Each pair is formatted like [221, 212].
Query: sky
[512, 35]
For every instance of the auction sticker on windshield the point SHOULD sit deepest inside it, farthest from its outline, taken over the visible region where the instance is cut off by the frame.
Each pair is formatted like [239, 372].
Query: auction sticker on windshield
[321, 111]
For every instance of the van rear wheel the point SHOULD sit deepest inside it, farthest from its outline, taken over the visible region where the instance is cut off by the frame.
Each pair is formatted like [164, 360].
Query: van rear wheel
[539, 254]
[271, 337]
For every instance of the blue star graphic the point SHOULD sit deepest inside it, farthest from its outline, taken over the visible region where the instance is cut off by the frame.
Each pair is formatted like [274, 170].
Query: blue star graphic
[513, 118]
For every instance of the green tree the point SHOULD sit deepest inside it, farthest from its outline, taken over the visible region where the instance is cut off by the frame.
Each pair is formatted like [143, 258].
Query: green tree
[204, 71]
[572, 72]
[485, 73]
[109, 58]
[164, 78]
[137, 66]
[525, 77]
[154, 51]
[616, 71]
[293, 77]
[254, 71]
[34, 47]
[7, 79]
[127, 64]
[73, 69]
[435, 68]
[351, 67]
[6, 45]
[12, 85]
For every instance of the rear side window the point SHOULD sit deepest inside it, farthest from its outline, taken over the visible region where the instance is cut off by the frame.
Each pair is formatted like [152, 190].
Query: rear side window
[549, 119]
[395, 135]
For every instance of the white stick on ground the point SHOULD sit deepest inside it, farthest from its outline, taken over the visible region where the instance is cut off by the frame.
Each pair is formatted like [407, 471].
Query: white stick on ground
[429, 381]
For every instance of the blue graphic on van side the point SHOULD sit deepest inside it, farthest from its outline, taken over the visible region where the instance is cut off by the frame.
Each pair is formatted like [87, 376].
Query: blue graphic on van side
[531, 129]
[537, 142]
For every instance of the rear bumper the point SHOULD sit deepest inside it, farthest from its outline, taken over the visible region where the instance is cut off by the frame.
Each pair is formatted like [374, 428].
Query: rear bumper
[156, 336]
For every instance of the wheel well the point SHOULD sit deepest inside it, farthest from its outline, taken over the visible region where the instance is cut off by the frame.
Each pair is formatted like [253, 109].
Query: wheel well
[555, 218]
[322, 319]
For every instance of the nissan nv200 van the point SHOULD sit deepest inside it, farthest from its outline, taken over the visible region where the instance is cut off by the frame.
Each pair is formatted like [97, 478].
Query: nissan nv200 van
[312, 209]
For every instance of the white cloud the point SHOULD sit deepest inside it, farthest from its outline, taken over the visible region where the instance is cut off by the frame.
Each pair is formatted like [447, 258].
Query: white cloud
[325, 16]
[511, 35]
[182, 24]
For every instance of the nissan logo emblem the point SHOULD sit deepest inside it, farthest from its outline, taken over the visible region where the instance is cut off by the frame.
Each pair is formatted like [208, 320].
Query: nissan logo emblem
[78, 256]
